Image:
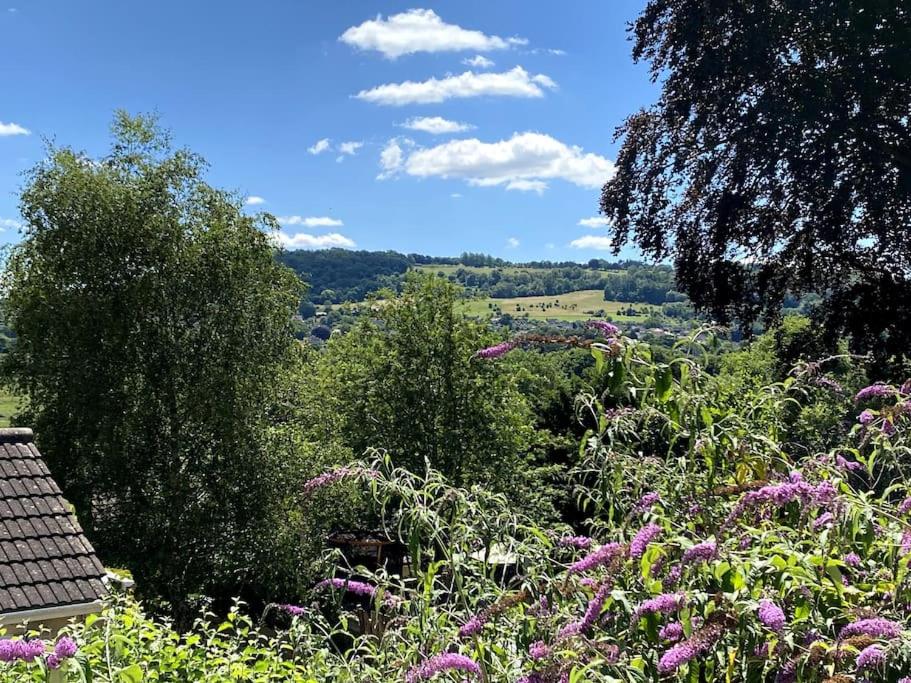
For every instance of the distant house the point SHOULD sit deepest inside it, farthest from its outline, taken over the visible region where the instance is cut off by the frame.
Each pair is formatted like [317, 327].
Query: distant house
[48, 570]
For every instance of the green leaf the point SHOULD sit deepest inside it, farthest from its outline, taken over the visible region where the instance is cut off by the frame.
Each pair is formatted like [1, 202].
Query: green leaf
[131, 674]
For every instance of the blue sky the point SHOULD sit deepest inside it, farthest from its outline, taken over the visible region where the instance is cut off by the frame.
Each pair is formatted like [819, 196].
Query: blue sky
[470, 125]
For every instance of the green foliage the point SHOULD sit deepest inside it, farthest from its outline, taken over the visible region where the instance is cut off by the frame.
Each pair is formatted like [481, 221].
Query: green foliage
[408, 383]
[154, 348]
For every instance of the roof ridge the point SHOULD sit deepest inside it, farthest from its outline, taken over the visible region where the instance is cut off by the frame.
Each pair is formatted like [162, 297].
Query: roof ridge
[16, 435]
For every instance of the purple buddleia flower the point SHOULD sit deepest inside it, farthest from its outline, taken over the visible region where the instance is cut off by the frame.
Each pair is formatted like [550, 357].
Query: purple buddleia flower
[876, 627]
[852, 560]
[605, 328]
[293, 610]
[592, 611]
[65, 647]
[828, 383]
[336, 475]
[473, 626]
[905, 506]
[643, 537]
[8, 650]
[646, 501]
[823, 520]
[603, 555]
[448, 661]
[661, 604]
[671, 632]
[888, 428]
[538, 650]
[581, 542]
[850, 465]
[761, 651]
[771, 616]
[787, 673]
[695, 646]
[31, 650]
[53, 662]
[871, 657]
[866, 417]
[700, 552]
[496, 350]
[905, 546]
[358, 588]
[878, 390]
[779, 495]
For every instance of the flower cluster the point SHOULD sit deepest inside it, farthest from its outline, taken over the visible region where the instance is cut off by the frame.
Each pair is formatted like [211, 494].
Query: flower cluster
[643, 537]
[28, 651]
[878, 390]
[875, 628]
[771, 616]
[448, 661]
[581, 542]
[700, 552]
[605, 328]
[779, 495]
[603, 555]
[696, 646]
[496, 350]
[592, 611]
[870, 657]
[646, 502]
[334, 476]
[661, 604]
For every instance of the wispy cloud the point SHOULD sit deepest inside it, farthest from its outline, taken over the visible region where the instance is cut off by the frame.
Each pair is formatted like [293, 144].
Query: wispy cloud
[516, 82]
[310, 221]
[9, 223]
[594, 222]
[350, 148]
[392, 157]
[7, 129]
[597, 242]
[420, 30]
[435, 125]
[478, 62]
[303, 240]
[253, 200]
[524, 162]
[512, 242]
[319, 146]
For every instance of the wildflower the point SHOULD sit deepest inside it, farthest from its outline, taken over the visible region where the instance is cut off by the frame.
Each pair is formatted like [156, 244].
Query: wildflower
[661, 604]
[580, 542]
[761, 651]
[866, 417]
[905, 506]
[448, 661]
[771, 615]
[538, 650]
[8, 650]
[852, 560]
[605, 328]
[823, 520]
[53, 661]
[878, 390]
[787, 673]
[30, 650]
[905, 547]
[647, 501]
[293, 610]
[888, 427]
[871, 656]
[356, 587]
[334, 476]
[671, 632]
[643, 537]
[828, 383]
[603, 555]
[700, 552]
[876, 627]
[781, 494]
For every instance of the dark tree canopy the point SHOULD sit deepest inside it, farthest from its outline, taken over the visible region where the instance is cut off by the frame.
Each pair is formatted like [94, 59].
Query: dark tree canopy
[777, 159]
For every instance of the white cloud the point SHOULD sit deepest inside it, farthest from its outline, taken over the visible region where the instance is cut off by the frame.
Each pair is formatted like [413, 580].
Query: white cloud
[527, 185]
[7, 129]
[513, 83]
[420, 30]
[9, 223]
[311, 221]
[512, 243]
[302, 240]
[556, 52]
[392, 156]
[523, 162]
[598, 242]
[319, 146]
[436, 125]
[550, 245]
[350, 148]
[253, 200]
[456, 195]
[595, 222]
[478, 62]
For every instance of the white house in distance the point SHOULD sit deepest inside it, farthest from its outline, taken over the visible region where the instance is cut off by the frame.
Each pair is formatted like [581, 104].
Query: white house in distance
[49, 573]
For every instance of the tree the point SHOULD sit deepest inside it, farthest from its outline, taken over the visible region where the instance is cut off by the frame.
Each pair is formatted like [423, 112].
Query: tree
[154, 345]
[409, 383]
[777, 159]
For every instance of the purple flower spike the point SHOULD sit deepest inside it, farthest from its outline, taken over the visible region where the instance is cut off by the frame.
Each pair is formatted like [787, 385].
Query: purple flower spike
[603, 555]
[866, 417]
[875, 628]
[671, 632]
[334, 476]
[823, 520]
[700, 552]
[496, 350]
[448, 661]
[661, 604]
[65, 647]
[581, 542]
[538, 650]
[871, 657]
[771, 616]
[605, 328]
[643, 537]
[878, 390]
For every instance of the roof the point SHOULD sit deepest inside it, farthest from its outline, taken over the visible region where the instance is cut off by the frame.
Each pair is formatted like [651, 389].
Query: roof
[45, 559]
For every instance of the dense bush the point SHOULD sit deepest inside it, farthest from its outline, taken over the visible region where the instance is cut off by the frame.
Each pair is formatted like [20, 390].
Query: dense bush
[709, 552]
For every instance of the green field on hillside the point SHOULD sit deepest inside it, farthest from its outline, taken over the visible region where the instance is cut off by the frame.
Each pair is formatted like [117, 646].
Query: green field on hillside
[580, 305]
[9, 403]
[448, 270]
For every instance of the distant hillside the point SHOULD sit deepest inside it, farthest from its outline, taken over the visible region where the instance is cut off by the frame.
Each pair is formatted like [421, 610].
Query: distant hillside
[338, 275]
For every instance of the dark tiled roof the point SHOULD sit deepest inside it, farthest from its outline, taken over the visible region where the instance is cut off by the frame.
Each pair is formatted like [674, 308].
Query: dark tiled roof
[45, 560]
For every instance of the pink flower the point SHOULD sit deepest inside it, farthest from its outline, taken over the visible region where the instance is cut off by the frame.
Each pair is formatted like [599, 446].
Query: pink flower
[771, 615]
[448, 661]
[643, 537]
[603, 555]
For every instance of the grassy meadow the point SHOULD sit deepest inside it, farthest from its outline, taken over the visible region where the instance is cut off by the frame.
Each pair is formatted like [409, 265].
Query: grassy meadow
[581, 305]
